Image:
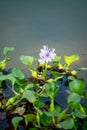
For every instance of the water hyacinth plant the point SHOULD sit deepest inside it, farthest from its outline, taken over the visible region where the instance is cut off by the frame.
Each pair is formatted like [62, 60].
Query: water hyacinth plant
[34, 103]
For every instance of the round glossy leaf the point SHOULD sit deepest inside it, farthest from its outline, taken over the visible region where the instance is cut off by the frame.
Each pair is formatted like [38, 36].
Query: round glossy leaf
[27, 60]
[29, 95]
[77, 86]
[74, 100]
[67, 123]
[17, 73]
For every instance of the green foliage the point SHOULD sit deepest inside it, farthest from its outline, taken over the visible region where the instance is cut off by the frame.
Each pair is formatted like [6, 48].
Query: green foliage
[57, 59]
[27, 102]
[51, 89]
[74, 100]
[46, 120]
[27, 60]
[15, 121]
[11, 101]
[55, 112]
[70, 59]
[9, 77]
[17, 73]
[29, 86]
[61, 115]
[79, 114]
[6, 50]
[67, 123]
[29, 95]
[77, 86]
[3, 63]
[29, 118]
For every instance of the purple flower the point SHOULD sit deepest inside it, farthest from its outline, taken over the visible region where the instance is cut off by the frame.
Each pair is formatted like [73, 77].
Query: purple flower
[46, 55]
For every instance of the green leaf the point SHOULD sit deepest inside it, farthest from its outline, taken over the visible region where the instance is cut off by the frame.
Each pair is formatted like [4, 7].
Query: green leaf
[29, 118]
[79, 114]
[29, 95]
[46, 120]
[54, 112]
[6, 50]
[61, 115]
[55, 74]
[17, 73]
[67, 124]
[11, 101]
[27, 60]
[8, 77]
[73, 97]
[44, 94]
[82, 110]
[57, 59]
[77, 86]
[38, 103]
[29, 86]
[51, 89]
[1, 73]
[74, 100]
[71, 78]
[70, 59]
[16, 120]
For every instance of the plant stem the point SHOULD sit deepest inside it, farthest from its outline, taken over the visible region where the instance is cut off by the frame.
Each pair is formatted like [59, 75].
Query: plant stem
[52, 109]
[51, 104]
[12, 89]
[37, 116]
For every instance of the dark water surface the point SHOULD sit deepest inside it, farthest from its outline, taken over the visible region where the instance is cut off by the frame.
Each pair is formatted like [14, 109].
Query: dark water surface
[28, 25]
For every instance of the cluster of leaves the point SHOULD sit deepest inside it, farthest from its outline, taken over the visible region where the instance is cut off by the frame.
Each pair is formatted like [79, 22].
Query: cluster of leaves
[33, 100]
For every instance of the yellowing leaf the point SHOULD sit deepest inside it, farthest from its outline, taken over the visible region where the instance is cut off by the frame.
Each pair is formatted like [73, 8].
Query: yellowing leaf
[33, 73]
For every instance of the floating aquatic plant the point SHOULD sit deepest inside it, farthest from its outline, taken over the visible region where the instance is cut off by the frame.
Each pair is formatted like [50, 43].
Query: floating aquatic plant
[34, 98]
